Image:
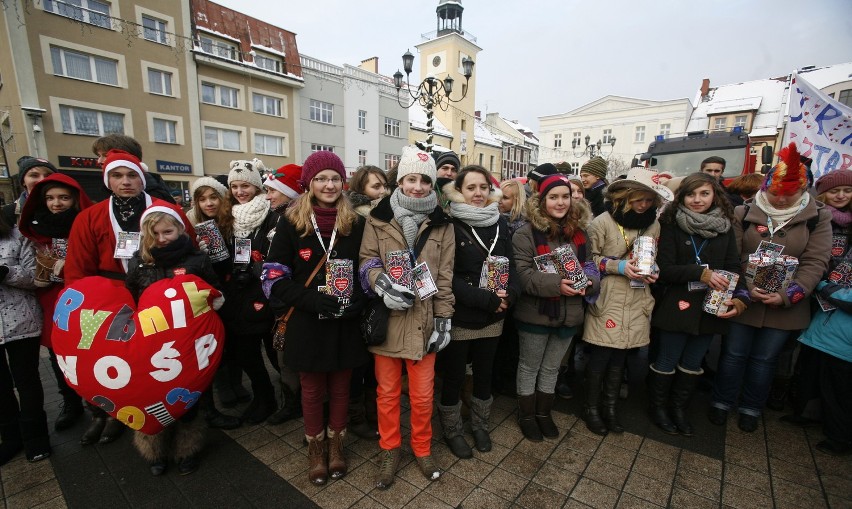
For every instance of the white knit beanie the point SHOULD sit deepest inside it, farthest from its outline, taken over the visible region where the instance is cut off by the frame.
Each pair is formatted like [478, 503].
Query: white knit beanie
[247, 171]
[414, 160]
[208, 182]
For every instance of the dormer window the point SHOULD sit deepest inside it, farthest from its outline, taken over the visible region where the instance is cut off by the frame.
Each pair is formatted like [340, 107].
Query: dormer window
[218, 47]
[270, 63]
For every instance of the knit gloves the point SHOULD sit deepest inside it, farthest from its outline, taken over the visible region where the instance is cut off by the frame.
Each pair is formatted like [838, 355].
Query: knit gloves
[396, 297]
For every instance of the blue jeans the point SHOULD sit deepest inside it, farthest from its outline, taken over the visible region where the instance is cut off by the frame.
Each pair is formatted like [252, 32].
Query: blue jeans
[681, 348]
[748, 360]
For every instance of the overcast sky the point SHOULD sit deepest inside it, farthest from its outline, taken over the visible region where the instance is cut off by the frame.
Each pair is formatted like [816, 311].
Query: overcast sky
[543, 57]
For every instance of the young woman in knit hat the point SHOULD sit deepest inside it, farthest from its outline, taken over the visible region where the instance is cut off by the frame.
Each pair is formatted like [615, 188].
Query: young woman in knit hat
[550, 307]
[410, 225]
[30, 171]
[620, 318]
[246, 313]
[696, 241]
[593, 175]
[323, 340]
[783, 213]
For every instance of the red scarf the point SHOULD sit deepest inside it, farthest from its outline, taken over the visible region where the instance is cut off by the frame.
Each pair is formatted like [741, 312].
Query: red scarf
[326, 218]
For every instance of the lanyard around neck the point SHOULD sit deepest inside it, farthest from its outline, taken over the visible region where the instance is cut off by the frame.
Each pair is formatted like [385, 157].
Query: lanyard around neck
[496, 236]
[624, 236]
[319, 237]
[697, 250]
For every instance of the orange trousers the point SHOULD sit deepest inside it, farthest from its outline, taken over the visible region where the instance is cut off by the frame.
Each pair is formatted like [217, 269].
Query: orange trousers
[421, 379]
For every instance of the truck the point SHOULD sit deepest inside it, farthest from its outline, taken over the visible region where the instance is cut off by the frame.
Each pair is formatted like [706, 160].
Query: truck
[682, 155]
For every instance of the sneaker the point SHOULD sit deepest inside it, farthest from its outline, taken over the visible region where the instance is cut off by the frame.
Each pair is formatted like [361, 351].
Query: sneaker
[428, 467]
[387, 470]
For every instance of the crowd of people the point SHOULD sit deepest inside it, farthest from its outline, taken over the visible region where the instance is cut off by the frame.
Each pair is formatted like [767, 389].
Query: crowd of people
[470, 286]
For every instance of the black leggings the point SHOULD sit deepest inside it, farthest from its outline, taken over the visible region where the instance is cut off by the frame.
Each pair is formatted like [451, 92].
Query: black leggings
[250, 357]
[454, 360]
[19, 369]
[602, 357]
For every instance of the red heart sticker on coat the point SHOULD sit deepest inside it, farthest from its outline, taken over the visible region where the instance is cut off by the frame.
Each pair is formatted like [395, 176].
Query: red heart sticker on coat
[395, 272]
[146, 364]
[610, 324]
[305, 253]
[761, 228]
[797, 297]
[179, 272]
[683, 305]
[570, 265]
[258, 306]
[341, 283]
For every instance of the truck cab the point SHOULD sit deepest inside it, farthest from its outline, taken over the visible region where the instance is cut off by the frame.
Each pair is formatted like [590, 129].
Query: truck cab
[682, 155]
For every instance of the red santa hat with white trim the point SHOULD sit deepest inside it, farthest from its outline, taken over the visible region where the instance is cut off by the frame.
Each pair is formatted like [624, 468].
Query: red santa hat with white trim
[120, 159]
[165, 210]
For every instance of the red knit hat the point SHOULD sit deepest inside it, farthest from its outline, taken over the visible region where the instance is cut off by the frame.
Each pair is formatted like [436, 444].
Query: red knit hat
[286, 180]
[120, 159]
[551, 182]
[834, 179]
[789, 176]
[319, 161]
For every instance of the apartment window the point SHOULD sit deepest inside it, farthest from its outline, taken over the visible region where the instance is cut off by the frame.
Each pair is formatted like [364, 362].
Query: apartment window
[639, 137]
[557, 140]
[575, 168]
[221, 139]
[391, 127]
[266, 105]
[316, 147]
[576, 139]
[165, 131]
[740, 120]
[82, 66]
[218, 48]
[720, 124]
[607, 135]
[665, 129]
[268, 63]
[154, 29]
[268, 145]
[219, 95]
[391, 160]
[159, 82]
[362, 157]
[322, 112]
[90, 122]
[491, 164]
[481, 156]
[362, 120]
[92, 12]
[845, 97]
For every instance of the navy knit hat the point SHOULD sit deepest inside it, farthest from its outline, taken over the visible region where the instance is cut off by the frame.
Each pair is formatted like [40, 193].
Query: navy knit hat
[542, 171]
[27, 163]
[447, 157]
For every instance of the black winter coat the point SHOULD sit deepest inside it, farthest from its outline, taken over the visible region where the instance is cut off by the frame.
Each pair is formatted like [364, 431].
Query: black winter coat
[596, 200]
[676, 259]
[246, 311]
[313, 344]
[475, 307]
[142, 275]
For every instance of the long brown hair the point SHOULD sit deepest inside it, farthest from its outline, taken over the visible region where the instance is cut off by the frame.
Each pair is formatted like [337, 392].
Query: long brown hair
[361, 177]
[556, 229]
[300, 210]
[148, 238]
[690, 184]
[224, 220]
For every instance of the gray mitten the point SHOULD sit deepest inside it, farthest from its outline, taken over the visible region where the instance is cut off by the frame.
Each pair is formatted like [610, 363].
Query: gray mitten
[440, 337]
[396, 296]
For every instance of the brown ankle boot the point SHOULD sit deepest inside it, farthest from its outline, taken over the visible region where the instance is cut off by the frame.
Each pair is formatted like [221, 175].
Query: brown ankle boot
[318, 459]
[336, 459]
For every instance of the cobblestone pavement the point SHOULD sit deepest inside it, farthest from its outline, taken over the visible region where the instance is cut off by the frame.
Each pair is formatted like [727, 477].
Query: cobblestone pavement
[266, 466]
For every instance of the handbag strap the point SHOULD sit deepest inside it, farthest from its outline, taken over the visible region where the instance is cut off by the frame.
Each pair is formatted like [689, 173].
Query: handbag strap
[307, 283]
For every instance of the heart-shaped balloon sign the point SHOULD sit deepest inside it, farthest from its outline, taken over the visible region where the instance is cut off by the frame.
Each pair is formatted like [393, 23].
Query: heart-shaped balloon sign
[145, 365]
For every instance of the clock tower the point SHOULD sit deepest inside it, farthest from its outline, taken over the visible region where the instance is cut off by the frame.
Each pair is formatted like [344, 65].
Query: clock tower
[442, 55]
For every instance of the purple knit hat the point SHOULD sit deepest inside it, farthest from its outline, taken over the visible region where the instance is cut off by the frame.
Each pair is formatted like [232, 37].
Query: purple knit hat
[319, 161]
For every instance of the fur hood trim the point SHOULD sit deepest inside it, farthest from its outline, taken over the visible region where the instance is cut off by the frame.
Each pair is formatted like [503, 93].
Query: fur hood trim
[451, 194]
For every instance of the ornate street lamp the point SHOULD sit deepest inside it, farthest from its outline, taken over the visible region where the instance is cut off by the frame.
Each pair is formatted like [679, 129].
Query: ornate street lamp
[430, 92]
[595, 149]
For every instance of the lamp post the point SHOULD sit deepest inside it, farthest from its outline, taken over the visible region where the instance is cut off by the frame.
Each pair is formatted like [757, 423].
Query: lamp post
[595, 149]
[430, 92]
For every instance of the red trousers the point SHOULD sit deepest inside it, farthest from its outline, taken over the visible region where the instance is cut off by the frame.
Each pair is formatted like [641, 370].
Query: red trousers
[421, 378]
[315, 386]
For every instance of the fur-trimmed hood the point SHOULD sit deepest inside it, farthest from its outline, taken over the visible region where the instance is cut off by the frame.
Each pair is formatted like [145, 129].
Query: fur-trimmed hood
[539, 222]
[451, 194]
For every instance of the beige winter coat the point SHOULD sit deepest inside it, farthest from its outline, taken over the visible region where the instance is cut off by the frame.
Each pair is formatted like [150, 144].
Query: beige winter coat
[621, 317]
[409, 330]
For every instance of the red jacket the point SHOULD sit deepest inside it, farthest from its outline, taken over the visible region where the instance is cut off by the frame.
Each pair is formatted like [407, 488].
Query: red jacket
[92, 242]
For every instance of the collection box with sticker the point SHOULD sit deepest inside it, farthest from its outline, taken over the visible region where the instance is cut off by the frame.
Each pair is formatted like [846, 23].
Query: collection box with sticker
[714, 300]
[398, 266]
[339, 278]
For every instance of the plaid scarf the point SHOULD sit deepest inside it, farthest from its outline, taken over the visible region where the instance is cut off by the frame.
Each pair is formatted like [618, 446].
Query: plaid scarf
[550, 305]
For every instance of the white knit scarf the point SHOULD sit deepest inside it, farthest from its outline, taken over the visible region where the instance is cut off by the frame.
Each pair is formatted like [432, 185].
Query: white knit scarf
[478, 217]
[411, 212]
[780, 217]
[250, 215]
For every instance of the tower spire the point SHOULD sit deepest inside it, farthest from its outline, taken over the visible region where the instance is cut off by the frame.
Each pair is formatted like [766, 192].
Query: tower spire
[449, 17]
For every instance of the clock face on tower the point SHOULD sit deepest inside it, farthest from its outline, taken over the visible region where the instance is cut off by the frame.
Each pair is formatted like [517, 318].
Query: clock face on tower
[436, 61]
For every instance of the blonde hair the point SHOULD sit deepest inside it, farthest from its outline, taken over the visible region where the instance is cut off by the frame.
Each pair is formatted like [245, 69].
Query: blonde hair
[300, 210]
[148, 237]
[519, 201]
[822, 198]
[224, 220]
[621, 198]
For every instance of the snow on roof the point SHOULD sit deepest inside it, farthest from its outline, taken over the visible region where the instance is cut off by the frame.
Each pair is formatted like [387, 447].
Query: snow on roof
[417, 120]
[766, 98]
[268, 50]
[481, 134]
[829, 75]
[219, 34]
